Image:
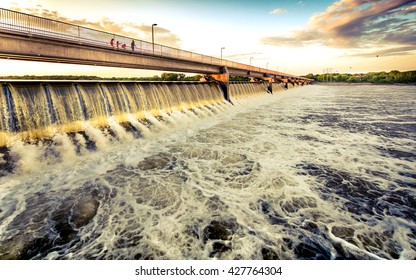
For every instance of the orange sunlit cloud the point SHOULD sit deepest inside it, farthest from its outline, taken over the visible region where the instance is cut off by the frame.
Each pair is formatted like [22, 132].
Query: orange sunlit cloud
[356, 24]
[130, 29]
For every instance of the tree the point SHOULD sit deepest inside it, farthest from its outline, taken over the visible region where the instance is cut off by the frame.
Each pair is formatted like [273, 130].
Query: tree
[169, 76]
[352, 79]
[310, 76]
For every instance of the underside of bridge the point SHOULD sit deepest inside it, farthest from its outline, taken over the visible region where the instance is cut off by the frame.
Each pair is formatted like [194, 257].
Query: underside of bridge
[24, 47]
[46, 50]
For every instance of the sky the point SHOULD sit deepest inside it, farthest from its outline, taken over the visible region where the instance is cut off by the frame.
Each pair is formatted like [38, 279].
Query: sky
[295, 37]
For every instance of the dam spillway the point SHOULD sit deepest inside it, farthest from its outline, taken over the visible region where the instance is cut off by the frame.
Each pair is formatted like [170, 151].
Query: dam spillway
[308, 174]
[32, 110]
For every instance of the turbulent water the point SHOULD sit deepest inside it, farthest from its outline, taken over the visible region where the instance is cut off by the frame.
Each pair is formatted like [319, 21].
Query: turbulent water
[316, 172]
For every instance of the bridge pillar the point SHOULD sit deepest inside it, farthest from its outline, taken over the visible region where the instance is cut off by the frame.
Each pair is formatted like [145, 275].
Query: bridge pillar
[223, 80]
[282, 81]
[265, 78]
[270, 80]
[285, 82]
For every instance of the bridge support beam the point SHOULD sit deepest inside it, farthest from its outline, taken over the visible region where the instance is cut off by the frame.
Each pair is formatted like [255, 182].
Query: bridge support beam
[270, 80]
[265, 78]
[292, 81]
[223, 80]
[283, 81]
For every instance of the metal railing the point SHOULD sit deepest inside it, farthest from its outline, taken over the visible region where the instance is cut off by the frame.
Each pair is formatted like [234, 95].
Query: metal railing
[39, 27]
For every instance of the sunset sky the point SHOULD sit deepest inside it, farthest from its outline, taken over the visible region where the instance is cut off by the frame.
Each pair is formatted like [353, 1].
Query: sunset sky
[296, 37]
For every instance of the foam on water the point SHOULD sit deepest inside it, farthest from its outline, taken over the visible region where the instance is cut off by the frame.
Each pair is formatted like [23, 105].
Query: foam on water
[316, 172]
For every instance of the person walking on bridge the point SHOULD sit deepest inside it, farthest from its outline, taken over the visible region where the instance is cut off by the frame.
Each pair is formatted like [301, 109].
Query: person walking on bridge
[133, 45]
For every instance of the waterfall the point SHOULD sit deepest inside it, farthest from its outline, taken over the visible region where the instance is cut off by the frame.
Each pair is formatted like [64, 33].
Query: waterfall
[241, 90]
[35, 110]
[32, 110]
[95, 104]
[67, 106]
[4, 112]
[277, 87]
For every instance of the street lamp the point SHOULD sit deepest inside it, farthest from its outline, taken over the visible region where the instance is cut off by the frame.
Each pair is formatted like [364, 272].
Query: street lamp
[153, 37]
[221, 51]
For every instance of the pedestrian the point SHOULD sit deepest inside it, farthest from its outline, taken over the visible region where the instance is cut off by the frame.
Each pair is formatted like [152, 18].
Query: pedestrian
[123, 46]
[118, 44]
[133, 45]
[112, 42]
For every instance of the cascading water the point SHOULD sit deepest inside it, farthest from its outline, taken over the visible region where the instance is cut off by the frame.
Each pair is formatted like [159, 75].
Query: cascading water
[32, 107]
[37, 110]
[322, 172]
[241, 90]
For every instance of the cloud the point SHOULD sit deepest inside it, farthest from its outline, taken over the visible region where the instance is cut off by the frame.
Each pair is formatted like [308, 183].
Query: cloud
[356, 24]
[244, 55]
[297, 38]
[128, 29]
[406, 50]
[278, 11]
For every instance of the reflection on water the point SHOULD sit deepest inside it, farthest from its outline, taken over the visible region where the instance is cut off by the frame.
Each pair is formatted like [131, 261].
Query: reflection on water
[316, 172]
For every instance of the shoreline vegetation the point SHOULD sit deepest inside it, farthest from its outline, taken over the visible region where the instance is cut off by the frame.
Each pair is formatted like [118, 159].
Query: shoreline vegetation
[155, 78]
[392, 77]
[362, 84]
[163, 77]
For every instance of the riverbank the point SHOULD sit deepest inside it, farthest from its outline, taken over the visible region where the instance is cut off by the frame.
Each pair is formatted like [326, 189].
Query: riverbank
[363, 84]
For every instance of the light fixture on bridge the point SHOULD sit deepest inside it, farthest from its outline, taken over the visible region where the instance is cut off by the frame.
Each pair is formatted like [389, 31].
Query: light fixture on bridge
[221, 51]
[153, 36]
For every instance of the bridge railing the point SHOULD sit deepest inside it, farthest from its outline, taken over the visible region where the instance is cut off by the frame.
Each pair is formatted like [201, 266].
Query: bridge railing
[39, 27]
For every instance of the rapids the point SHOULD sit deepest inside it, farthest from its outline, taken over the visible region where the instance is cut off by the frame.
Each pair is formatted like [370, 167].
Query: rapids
[316, 172]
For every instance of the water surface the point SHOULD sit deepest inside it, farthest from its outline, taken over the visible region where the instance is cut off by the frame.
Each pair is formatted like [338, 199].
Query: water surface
[316, 172]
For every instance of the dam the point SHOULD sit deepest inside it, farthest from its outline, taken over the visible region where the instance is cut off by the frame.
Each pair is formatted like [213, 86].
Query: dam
[39, 109]
[308, 173]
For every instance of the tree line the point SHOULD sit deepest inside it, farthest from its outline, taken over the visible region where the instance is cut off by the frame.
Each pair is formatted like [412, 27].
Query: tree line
[394, 76]
[162, 77]
[391, 77]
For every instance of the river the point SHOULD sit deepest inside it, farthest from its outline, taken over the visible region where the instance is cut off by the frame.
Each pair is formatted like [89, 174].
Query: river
[315, 172]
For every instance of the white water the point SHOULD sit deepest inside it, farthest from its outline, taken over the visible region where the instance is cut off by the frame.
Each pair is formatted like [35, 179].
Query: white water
[314, 172]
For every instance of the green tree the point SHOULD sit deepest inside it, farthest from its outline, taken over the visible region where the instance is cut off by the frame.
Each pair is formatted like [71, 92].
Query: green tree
[352, 79]
[169, 77]
[310, 76]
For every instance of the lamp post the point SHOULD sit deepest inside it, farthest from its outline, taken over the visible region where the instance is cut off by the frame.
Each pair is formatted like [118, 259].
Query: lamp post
[221, 52]
[153, 37]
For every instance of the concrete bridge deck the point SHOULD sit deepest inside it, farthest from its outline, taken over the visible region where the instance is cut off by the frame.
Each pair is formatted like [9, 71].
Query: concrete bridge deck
[28, 37]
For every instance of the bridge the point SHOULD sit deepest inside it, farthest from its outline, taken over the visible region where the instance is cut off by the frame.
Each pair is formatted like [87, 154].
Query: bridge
[28, 37]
